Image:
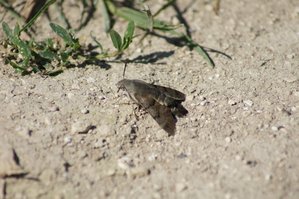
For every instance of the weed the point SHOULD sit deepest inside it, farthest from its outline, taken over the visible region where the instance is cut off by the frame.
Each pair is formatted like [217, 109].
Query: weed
[50, 56]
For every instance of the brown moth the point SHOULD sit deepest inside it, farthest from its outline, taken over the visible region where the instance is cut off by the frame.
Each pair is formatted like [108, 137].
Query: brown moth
[162, 103]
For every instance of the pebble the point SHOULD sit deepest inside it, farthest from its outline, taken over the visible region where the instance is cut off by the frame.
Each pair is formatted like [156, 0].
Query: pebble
[81, 127]
[203, 103]
[99, 143]
[238, 157]
[190, 98]
[75, 86]
[228, 139]
[67, 139]
[274, 128]
[296, 93]
[53, 108]
[291, 56]
[138, 172]
[84, 111]
[125, 163]
[90, 80]
[24, 131]
[175, 21]
[179, 187]
[152, 157]
[248, 103]
[268, 177]
[70, 95]
[157, 195]
[232, 102]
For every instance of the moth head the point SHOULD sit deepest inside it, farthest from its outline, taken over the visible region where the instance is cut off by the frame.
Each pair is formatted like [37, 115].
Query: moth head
[121, 85]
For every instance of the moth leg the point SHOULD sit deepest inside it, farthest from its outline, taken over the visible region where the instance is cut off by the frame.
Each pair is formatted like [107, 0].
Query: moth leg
[139, 111]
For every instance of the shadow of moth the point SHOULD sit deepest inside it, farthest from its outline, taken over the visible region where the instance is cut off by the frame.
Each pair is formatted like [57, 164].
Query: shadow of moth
[162, 103]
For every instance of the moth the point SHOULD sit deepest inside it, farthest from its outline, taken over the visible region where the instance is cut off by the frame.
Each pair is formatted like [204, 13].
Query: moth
[162, 103]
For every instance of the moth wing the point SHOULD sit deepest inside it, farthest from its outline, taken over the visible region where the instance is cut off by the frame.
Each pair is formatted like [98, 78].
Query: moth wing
[171, 93]
[162, 114]
[179, 110]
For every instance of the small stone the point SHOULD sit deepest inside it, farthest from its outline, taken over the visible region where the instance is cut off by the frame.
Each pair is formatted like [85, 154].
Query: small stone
[111, 172]
[152, 157]
[251, 163]
[75, 86]
[138, 172]
[296, 93]
[81, 128]
[125, 163]
[293, 109]
[53, 108]
[268, 177]
[274, 128]
[209, 7]
[100, 143]
[238, 157]
[157, 187]
[84, 111]
[232, 102]
[82, 154]
[67, 139]
[291, 56]
[228, 139]
[175, 21]
[179, 187]
[24, 131]
[157, 195]
[102, 97]
[90, 80]
[190, 98]
[203, 103]
[248, 103]
[70, 95]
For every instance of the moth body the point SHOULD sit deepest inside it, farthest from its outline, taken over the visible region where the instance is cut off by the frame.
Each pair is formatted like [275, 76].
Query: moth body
[162, 103]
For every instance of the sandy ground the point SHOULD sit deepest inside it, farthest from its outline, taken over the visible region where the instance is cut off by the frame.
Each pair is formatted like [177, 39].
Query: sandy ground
[75, 136]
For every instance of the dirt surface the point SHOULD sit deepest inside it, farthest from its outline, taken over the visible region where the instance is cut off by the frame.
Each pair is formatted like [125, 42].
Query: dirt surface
[75, 136]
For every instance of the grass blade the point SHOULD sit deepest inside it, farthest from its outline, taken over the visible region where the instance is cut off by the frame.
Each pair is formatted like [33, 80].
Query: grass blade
[63, 33]
[29, 24]
[106, 16]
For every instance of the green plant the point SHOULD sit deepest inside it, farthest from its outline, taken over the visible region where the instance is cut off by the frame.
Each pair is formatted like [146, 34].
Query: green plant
[146, 21]
[51, 56]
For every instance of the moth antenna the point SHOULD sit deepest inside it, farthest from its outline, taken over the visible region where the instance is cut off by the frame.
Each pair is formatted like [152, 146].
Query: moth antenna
[124, 70]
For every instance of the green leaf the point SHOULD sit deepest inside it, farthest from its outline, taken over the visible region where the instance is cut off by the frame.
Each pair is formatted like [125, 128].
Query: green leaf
[7, 31]
[63, 33]
[16, 31]
[17, 67]
[202, 52]
[128, 37]
[116, 39]
[142, 20]
[47, 54]
[24, 50]
[99, 45]
[106, 16]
